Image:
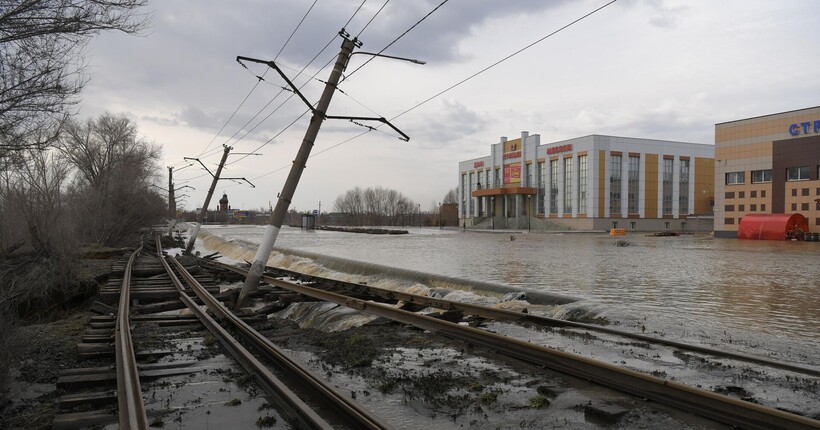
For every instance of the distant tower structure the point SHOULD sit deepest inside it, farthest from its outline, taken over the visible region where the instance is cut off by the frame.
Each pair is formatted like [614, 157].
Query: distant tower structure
[223, 202]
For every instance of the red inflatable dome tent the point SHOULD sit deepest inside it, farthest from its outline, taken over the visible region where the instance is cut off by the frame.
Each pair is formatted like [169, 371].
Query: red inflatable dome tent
[771, 226]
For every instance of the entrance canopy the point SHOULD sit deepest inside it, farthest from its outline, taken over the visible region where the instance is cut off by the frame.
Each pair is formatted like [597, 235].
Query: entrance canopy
[771, 226]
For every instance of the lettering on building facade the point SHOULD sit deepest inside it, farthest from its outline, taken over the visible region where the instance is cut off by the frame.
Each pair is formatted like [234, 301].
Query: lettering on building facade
[559, 149]
[804, 128]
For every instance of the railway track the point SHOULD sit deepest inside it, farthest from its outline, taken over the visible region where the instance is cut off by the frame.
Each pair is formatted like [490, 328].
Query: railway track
[721, 408]
[131, 411]
[337, 410]
[353, 415]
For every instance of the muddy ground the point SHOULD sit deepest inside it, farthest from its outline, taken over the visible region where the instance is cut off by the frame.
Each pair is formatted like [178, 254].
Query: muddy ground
[410, 377]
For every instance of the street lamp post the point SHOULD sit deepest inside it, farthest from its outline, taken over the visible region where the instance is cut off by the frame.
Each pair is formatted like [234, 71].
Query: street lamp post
[492, 211]
[419, 213]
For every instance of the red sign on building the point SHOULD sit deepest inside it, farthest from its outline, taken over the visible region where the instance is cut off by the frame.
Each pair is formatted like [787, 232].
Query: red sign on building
[559, 149]
[478, 164]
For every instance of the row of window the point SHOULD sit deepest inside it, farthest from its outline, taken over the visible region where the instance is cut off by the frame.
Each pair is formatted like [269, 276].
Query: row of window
[742, 208]
[805, 192]
[801, 173]
[742, 194]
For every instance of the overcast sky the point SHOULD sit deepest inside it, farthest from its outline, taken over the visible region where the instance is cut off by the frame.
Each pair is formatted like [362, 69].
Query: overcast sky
[638, 68]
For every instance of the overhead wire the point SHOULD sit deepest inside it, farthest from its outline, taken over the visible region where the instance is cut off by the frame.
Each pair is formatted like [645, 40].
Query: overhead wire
[503, 59]
[395, 40]
[458, 83]
[371, 19]
[285, 101]
[258, 81]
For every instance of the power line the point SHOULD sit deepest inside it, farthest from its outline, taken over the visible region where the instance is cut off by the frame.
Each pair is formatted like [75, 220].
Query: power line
[503, 59]
[258, 81]
[354, 13]
[283, 89]
[274, 111]
[294, 31]
[458, 83]
[371, 19]
[395, 40]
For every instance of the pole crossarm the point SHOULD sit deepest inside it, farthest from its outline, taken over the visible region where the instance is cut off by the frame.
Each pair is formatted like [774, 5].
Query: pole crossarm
[313, 110]
[382, 120]
[200, 162]
[272, 65]
[240, 179]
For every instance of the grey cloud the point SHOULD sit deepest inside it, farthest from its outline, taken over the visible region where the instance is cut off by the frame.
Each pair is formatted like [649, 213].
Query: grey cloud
[449, 124]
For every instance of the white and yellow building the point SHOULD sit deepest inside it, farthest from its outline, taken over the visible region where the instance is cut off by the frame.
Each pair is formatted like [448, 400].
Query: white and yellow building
[589, 183]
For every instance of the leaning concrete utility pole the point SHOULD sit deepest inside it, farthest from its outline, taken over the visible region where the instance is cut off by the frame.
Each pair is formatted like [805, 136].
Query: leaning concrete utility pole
[282, 204]
[204, 211]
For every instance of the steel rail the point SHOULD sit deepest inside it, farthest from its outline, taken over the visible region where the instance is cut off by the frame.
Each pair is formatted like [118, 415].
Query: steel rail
[701, 402]
[131, 409]
[357, 415]
[504, 314]
[291, 406]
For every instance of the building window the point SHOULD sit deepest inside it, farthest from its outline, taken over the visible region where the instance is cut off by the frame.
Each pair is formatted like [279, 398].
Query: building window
[497, 178]
[465, 189]
[741, 208]
[794, 207]
[805, 192]
[752, 194]
[667, 186]
[729, 221]
[729, 208]
[582, 184]
[553, 186]
[761, 176]
[794, 192]
[734, 178]
[763, 208]
[542, 183]
[632, 225]
[797, 173]
[470, 197]
[614, 224]
[528, 174]
[762, 193]
[615, 184]
[804, 206]
[568, 185]
[741, 195]
[634, 176]
[752, 208]
[683, 199]
[730, 195]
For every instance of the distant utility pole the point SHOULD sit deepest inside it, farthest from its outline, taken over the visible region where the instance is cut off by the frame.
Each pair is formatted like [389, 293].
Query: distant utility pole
[172, 204]
[204, 212]
[284, 201]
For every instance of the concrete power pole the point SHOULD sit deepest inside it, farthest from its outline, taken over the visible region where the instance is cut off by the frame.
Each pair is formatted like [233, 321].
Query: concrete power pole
[172, 203]
[204, 211]
[282, 204]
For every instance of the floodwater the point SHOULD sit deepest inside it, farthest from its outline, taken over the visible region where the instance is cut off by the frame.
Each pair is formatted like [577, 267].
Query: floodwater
[755, 296]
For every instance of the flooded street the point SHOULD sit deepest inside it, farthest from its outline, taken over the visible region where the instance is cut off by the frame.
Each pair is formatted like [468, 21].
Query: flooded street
[751, 295]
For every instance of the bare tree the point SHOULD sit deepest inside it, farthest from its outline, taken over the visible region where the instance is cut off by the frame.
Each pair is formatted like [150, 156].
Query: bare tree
[114, 172]
[375, 206]
[451, 196]
[42, 61]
